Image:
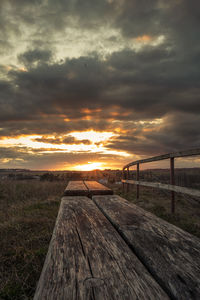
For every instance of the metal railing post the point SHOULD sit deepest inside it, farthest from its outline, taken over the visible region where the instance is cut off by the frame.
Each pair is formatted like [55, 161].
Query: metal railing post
[172, 182]
[123, 177]
[170, 187]
[137, 178]
[128, 177]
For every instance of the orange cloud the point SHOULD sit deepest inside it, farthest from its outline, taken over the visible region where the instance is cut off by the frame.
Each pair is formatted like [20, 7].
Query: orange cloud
[115, 114]
[147, 129]
[87, 118]
[90, 111]
[8, 68]
[144, 38]
[119, 130]
[22, 69]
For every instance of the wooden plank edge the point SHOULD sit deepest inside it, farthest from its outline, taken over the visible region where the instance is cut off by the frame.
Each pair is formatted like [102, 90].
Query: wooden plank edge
[76, 193]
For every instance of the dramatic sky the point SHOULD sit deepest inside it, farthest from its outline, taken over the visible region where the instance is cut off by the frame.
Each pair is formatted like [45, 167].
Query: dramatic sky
[97, 82]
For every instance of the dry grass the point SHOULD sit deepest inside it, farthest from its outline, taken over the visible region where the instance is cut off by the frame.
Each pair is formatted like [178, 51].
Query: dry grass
[28, 213]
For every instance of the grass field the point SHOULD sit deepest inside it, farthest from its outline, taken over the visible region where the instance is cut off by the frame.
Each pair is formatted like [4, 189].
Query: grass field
[28, 211]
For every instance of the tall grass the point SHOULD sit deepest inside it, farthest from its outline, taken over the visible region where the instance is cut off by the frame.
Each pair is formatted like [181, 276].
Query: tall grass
[27, 217]
[28, 211]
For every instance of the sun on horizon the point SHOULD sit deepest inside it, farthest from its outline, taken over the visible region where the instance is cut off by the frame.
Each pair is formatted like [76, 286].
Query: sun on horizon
[90, 166]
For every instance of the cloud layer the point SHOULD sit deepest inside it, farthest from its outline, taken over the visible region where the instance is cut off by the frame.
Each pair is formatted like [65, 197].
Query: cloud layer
[129, 67]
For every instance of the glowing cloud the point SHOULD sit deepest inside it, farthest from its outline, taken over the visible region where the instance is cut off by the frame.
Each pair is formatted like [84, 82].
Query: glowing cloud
[98, 143]
[142, 41]
[144, 38]
[93, 136]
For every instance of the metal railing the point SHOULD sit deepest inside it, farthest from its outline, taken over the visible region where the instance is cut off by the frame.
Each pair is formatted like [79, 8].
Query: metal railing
[170, 187]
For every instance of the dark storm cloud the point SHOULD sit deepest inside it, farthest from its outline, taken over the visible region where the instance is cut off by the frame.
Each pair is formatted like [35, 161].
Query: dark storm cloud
[53, 89]
[178, 131]
[35, 56]
[178, 20]
[131, 80]
[47, 18]
[175, 19]
[139, 17]
[154, 81]
[134, 81]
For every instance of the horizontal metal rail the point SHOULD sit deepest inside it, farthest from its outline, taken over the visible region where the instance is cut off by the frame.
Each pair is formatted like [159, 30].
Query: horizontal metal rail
[170, 187]
[165, 156]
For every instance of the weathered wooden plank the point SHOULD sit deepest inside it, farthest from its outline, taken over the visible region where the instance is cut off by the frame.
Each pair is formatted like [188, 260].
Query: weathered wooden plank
[65, 265]
[185, 153]
[88, 259]
[95, 188]
[171, 255]
[76, 188]
[86, 188]
[169, 187]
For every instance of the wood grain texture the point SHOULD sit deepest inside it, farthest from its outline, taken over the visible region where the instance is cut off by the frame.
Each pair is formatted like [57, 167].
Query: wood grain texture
[95, 188]
[88, 259]
[76, 188]
[86, 188]
[171, 255]
[169, 187]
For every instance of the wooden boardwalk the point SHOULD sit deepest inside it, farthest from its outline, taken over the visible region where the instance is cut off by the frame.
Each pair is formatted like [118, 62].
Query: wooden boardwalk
[108, 248]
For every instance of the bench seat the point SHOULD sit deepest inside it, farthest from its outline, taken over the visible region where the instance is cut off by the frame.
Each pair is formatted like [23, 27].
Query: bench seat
[88, 259]
[105, 247]
[86, 188]
[170, 254]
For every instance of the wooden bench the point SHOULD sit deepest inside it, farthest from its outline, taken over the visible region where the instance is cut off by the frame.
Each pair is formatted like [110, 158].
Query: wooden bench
[86, 188]
[88, 259]
[170, 254]
[108, 248]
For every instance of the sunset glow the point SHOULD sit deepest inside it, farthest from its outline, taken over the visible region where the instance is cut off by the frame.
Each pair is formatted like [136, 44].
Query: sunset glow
[93, 91]
[89, 166]
[33, 141]
[75, 142]
[101, 83]
[93, 136]
[144, 38]
[96, 142]
[142, 41]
